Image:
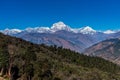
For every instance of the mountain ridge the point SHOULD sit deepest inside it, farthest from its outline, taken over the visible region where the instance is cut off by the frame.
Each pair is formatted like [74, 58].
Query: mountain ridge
[57, 27]
[107, 49]
[63, 35]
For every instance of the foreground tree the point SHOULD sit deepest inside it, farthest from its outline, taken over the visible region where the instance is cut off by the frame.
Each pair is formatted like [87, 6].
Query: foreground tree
[4, 61]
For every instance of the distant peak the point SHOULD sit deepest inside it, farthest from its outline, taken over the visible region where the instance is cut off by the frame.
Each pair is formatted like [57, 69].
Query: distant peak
[109, 32]
[60, 26]
[11, 31]
[87, 30]
[60, 22]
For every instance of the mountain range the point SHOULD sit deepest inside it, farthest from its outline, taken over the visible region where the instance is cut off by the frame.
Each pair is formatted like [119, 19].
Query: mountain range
[56, 27]
[60, 34]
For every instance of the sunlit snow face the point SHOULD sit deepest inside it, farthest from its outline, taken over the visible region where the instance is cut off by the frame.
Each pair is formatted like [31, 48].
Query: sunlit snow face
[109, 32]
[60, 26]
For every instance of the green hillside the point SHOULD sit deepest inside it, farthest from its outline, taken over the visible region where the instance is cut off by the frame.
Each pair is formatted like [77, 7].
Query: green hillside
[22, 60]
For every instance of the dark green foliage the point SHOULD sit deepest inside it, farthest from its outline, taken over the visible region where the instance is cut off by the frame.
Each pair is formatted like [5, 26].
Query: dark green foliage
[57, 78]
[86, 61]
[4, 58]
[15, 72]
[29, 71]
[27, 61]
[30, 55]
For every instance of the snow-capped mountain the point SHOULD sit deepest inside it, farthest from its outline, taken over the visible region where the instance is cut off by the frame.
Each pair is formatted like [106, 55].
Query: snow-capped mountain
[11, 31]
[60, 34]
[60, 26]
[38, 30]
[87, 30]
[109, 32]
[54, 28]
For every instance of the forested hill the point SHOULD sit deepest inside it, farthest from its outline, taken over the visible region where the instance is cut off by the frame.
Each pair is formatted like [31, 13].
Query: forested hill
[22, 60]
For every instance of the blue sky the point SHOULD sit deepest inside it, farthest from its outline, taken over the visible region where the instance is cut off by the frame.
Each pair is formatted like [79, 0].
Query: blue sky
[99, 14]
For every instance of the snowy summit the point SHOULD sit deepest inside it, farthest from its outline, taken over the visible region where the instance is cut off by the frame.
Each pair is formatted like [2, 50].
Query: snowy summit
[87, 30]
[10, 31]
[109, 32]
[60, 26]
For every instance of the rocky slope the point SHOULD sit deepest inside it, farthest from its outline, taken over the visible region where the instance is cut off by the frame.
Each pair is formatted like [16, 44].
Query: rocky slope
[108, 49]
